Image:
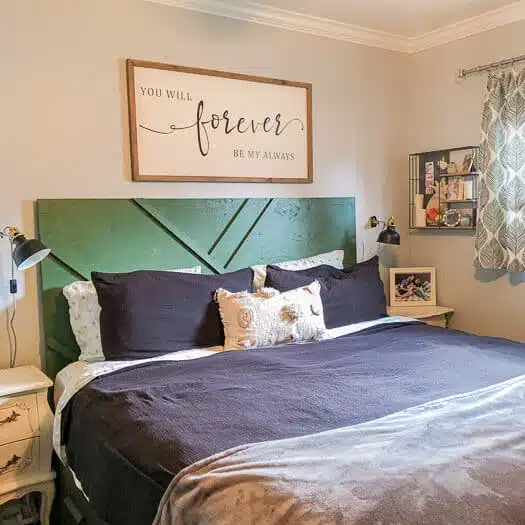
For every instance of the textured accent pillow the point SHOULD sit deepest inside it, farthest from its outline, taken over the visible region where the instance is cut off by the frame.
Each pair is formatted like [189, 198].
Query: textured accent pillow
[333, 258]
[148, 313]
[349, 296]
[268, 317]
[84, 316]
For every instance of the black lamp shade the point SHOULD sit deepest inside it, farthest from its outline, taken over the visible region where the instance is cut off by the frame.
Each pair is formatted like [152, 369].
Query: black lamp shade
[28, 252]
[389, 236]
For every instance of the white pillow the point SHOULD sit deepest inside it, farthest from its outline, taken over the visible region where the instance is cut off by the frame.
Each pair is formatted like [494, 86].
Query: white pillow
[334, 258]
[269, 317]
[84, 316]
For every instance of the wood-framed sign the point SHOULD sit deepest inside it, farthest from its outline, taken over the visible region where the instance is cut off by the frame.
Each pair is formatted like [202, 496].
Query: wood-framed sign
[189, 124]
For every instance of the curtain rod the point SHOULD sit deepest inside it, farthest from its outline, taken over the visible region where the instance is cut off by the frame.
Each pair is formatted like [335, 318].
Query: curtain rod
[463, 73]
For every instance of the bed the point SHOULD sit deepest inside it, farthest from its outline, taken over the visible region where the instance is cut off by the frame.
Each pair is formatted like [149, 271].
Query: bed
[385, 420]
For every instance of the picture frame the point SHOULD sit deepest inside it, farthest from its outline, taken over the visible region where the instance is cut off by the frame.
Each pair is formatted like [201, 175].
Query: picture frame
[413, 286]
[455, 189]
[468, 217]
[203, 125]
[468, 162]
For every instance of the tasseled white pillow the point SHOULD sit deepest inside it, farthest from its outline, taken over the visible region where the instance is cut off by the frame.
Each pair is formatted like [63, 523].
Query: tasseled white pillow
[269, 317]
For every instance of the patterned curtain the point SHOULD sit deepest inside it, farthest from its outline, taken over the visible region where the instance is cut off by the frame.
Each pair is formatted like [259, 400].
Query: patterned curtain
[500, 233]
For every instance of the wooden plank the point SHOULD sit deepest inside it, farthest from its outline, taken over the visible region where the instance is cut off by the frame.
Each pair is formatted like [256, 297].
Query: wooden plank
[108, 235]
[202, 220]
[238, 230]
[296, 228]
[181, 237]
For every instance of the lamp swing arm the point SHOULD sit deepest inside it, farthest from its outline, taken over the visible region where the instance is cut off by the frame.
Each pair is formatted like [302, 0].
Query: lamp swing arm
[373, 222]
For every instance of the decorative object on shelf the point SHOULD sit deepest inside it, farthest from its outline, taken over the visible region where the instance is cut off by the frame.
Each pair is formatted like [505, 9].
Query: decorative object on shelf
[439, 181]
[433, 205]
[388, 235]
[464, 161]
[452, 168]
[429, 177]
[468, 217]
[452, 218]
[454, 189]
[432, 216]
[25, 253]
[468, 163]
[442, 166]
[468, 190]
[194, 124]
[412, 286]
[421, 217]
[419, 210]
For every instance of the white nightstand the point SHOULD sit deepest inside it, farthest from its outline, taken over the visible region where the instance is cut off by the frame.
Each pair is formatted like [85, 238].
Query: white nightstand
[433, 315]
[26, 424]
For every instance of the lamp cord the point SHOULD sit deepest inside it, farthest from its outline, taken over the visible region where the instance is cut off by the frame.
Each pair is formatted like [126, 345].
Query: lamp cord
[8, 330]
[15, 341]
[10, 320]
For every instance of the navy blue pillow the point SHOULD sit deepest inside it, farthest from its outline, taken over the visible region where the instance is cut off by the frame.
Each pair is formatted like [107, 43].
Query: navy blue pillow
[148, 313]
[351, 295]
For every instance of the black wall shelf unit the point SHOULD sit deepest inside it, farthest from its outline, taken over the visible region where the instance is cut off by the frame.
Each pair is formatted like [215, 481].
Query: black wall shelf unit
[443, 189]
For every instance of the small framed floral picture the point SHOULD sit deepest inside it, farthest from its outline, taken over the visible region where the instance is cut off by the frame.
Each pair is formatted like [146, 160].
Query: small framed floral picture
[412, 286]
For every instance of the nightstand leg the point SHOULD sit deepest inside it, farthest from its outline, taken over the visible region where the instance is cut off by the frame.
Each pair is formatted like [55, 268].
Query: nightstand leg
[448, 316]
[48, 494]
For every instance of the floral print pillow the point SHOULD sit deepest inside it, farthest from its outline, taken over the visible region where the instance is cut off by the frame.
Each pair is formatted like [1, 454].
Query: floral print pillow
[333, 258]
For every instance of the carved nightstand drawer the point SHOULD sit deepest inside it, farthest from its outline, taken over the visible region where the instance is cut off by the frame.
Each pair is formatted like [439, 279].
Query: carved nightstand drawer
[18, 418]
[18, 458]
[26, 424]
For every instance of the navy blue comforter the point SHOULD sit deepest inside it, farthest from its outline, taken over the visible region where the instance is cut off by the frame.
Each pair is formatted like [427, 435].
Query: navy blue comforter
[128, 433]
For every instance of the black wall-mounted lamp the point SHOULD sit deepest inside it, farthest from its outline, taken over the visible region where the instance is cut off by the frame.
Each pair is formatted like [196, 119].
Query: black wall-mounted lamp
[24, 253]
[389, 234]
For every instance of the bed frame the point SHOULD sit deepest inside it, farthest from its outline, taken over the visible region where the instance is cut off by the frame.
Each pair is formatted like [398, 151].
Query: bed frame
[119, 235]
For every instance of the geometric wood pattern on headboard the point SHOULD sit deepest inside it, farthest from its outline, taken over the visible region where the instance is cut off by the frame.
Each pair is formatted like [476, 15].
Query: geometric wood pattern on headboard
[119, 235]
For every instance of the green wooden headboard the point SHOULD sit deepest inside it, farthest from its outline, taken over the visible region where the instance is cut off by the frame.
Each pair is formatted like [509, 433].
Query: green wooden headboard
[119, 235]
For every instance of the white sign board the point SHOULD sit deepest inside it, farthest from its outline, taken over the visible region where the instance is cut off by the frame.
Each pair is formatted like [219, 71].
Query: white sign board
[190, 124]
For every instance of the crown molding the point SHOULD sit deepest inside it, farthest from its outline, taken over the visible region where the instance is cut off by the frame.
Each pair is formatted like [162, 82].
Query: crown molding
[313, 25]
[290, 20]
[468, 27]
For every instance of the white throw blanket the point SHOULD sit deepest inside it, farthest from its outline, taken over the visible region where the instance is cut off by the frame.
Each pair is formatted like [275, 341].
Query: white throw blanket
[458, 460]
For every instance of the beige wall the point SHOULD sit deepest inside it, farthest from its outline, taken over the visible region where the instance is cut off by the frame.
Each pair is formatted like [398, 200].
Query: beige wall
[61, 124]
[444, 113]
[62, 127]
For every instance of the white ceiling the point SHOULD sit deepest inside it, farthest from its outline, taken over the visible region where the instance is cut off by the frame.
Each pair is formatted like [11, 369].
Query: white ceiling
[407, 18]
[408, 26]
